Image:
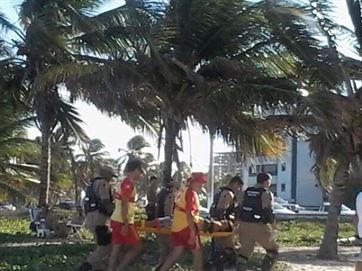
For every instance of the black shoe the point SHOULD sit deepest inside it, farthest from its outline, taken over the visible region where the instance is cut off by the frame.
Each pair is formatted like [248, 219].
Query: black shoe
[85, 267]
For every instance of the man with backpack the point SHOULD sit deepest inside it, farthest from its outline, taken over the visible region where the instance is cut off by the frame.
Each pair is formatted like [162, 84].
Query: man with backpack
[98, 207]
[223, 208]
[164, 208]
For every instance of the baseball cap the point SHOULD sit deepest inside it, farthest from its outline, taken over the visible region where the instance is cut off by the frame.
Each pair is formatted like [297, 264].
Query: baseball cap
[198, 177]
[262, 177]
[107, 172]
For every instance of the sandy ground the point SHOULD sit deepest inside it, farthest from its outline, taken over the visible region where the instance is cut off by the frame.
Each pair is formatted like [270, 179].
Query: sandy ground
[304, 259]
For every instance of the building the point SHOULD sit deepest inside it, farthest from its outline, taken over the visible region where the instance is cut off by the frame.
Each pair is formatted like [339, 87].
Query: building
[291, 172]
[226, 163]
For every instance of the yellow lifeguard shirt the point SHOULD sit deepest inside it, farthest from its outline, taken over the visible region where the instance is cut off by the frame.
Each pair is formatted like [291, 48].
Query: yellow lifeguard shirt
[126, 190]
[188, 200]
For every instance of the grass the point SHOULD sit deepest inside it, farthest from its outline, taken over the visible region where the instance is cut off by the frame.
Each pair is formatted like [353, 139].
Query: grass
[64, 257]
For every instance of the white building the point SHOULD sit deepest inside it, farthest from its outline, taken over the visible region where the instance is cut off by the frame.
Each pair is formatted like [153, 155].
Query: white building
[291, 172]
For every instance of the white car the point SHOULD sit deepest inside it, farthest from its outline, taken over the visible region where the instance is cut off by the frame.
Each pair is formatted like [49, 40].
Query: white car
[344, 209]
[279, 209]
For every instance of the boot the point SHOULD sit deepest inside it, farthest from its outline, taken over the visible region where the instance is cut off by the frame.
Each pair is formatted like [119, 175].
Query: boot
[85, 267]
[241, 263]
[267, 263]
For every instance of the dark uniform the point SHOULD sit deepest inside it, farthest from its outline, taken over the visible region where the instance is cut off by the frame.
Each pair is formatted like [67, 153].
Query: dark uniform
[98, 208]
[164, 208]
[223, 208]
[256, 226]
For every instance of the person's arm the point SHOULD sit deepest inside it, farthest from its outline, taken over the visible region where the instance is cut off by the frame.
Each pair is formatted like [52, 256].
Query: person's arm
[126, 194]
[226, 199]
[190, 206]
[267, 206]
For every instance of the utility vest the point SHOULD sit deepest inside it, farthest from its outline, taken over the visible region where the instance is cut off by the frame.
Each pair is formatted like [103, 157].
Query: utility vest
[252, 209]
[91, 201]
[160, 202]
[221, 213]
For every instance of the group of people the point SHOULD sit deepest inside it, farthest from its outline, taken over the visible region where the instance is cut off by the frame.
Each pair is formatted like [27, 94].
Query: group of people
[110, 216]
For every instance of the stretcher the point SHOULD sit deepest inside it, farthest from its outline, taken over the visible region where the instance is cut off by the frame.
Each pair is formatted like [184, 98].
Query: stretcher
[163, 226]
[167, 231]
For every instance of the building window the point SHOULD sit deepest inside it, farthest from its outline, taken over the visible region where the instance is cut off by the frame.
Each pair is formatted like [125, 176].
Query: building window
[283, 187]
[272, 169]
[284, 166]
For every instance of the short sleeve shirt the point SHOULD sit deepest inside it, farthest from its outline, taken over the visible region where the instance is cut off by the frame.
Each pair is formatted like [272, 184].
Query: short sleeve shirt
[102, 189]
[126, 191]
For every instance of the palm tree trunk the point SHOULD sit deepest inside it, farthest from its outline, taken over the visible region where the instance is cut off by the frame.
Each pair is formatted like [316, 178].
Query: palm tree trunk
[45, 164]
[211, 171]
[73, 165]
[171, 131]
[328, 248]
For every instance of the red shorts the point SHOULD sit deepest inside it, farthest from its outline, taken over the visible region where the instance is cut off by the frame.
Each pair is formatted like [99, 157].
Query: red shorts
[181, 238]
[132, 238]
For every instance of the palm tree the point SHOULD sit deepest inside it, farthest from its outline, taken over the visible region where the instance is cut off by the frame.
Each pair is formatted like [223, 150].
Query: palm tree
[93, 156]
[164, 60]
[48, 26]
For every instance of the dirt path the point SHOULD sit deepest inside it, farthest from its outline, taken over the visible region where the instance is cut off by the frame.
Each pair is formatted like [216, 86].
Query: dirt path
[304, 259]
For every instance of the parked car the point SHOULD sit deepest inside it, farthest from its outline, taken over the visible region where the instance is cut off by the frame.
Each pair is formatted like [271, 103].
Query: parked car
[293, 207]
[67, 205]
[7, 207]
[279, 209]
[344, 209]
[280, 200]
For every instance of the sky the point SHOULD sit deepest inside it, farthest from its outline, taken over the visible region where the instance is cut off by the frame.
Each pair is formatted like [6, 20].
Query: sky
[115, 134]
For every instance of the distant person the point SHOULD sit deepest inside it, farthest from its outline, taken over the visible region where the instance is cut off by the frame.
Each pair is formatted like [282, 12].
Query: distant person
[256, 224]
[184, 231]
[164, 208]
[223, 208]
[125, 238]
[151, 197]
[49, 220]
[359, 229]
[98, 207]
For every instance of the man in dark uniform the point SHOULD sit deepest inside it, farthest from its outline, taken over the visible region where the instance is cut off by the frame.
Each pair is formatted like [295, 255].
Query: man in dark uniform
[256, 224]
[98, 207]
[164, 208]
[151, 197]
[223, 207]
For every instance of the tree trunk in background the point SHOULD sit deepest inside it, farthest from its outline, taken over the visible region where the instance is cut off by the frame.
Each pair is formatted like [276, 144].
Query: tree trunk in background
[210, 192]
[329, 248]
[45, 164]
[73, 166]
[171, 130]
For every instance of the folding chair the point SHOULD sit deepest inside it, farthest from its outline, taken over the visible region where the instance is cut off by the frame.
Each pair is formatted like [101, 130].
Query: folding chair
[75, 229]
[40, 229]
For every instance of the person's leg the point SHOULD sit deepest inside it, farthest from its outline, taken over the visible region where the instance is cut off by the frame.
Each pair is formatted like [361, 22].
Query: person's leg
[266, 238]
[247, 242]
[130, 255]
[197, 263]
[172, 258]
[103, 238]
[114, 257]
[132, 241]
[164, 247]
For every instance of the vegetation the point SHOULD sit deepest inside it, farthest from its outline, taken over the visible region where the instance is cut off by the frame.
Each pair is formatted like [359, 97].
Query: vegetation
[65, 256]
[237, 70]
